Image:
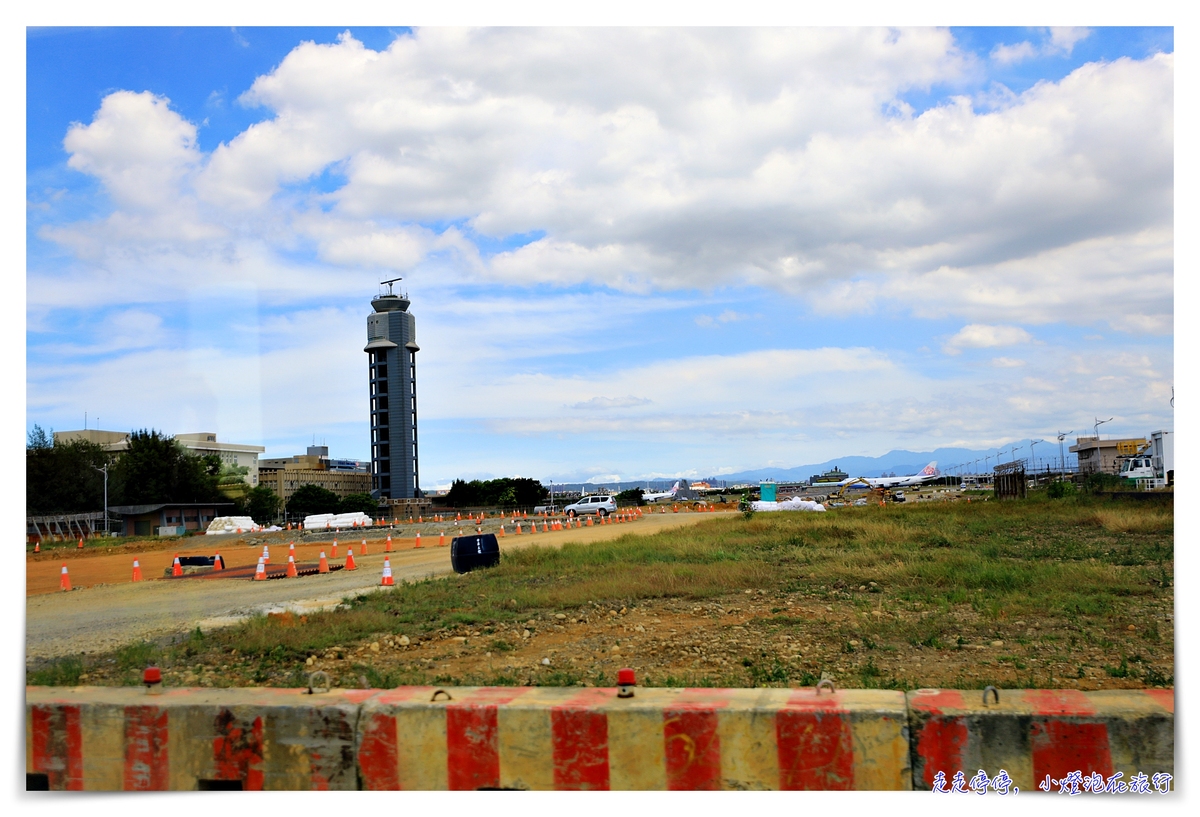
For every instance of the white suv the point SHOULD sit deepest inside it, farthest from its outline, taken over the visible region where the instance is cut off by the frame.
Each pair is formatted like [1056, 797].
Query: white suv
[599, 505]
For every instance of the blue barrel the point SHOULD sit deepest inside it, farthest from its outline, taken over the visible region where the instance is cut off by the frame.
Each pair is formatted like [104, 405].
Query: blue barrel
[469, 553]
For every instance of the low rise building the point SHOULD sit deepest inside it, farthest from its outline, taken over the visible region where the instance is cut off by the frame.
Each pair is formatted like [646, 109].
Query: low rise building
[201, 443]
[1099, 456]
[145, 520]
[284, 475]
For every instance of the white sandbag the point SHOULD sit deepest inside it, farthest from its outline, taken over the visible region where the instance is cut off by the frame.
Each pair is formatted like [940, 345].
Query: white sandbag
[793, 504]
[333, 521]
[231, 524]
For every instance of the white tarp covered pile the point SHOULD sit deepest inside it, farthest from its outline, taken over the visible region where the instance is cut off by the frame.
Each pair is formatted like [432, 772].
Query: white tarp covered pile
[231, 524]
[793, 504]
[320, 521]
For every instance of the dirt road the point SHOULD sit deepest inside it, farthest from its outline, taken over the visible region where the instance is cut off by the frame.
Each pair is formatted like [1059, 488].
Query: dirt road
[110, 611]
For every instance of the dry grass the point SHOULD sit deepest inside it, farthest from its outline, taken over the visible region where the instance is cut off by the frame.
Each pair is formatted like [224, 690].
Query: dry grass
[1079, 561]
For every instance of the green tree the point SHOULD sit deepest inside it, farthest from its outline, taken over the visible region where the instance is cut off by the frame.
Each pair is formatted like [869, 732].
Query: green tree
[504, 492]
[262, 504]
[359, 502]
[155, 468]
[631, 497]
[63, 478]
[310, 499]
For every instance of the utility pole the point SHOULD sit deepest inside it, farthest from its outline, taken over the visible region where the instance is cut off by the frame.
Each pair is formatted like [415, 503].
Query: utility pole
[104, 471]
[1096, 428]
[1032, 462]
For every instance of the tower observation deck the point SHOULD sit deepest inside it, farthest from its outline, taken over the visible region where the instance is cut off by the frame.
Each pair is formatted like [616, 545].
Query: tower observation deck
[392, 352]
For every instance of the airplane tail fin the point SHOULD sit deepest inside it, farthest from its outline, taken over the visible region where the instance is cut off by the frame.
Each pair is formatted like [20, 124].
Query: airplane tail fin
[930, 470]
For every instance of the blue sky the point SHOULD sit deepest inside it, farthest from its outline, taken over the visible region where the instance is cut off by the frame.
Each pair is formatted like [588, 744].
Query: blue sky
[631, 253]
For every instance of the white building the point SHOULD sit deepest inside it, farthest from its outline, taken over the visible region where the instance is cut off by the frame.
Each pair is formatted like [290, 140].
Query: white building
[200, 443]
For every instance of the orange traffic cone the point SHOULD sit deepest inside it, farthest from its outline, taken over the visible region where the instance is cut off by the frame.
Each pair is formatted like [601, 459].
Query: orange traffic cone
[333, 555]
[418, 541]
[291, 570]
[442, 539]
[266, 555]
[218, 562]
[364, 547]
[518, 528]
[350, 565]
[387, 573]
[137, 571]
[65, 582]
[545, 527]
[260, 572]
[458, 517]
[176, 568]
[292, 549]
[37, 546]
[501, 530]
[589, 522]
[323, 567]
[80, 545]
[388, 547]
[420, 520]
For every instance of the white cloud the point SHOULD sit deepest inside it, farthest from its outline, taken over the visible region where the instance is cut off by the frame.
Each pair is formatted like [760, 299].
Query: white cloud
[1063, 38]
[629, 401]
[1058, 41]
[1007, 363]
[1008, 54]
[670, 159]
[982, 336]
[137, 146]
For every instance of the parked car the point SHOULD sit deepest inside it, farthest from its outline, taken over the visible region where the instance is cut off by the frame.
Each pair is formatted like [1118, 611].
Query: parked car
[550, 509]
[597, 504]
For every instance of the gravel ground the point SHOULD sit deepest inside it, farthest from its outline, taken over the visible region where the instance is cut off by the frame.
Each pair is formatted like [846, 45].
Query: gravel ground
[101, 617]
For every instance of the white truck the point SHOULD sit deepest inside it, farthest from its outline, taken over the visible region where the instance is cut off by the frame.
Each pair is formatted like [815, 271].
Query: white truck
[1154, 465]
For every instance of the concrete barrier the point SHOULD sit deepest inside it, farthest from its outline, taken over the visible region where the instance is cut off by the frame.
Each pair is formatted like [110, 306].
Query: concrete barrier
[120, 738]
[550, 738]
[1042, 738]
[107, 738]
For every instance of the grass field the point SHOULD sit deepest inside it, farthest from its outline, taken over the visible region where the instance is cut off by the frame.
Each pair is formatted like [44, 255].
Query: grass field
[1071, 592]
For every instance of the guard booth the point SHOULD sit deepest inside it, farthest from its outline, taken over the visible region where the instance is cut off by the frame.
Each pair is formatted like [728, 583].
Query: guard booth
[766, 491]
[1009, 480]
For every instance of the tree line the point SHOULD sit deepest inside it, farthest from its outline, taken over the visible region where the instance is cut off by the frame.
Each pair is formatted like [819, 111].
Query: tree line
[67, 477]
[501, 493]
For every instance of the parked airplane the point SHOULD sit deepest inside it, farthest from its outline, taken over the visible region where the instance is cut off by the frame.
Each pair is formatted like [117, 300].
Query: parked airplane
[926, 474]
[664, 495]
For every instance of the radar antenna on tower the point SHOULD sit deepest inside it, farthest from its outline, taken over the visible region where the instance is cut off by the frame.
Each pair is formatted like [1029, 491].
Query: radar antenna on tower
[388, 283]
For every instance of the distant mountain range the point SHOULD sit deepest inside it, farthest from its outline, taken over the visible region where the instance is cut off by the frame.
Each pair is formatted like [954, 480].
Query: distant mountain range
[901, 463]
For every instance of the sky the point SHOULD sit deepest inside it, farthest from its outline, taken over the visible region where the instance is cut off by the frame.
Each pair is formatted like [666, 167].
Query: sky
[631, 252]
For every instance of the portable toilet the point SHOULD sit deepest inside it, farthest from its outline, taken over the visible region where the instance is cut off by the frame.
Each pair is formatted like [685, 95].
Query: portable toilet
[766, 492]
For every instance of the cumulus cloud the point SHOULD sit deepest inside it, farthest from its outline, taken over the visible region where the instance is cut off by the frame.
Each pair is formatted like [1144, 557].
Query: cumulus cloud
[1057, 41]
[677, 159]
[982, 336]
[137, 146]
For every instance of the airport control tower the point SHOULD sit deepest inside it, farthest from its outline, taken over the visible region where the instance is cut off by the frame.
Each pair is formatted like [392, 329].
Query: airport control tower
[392, 349]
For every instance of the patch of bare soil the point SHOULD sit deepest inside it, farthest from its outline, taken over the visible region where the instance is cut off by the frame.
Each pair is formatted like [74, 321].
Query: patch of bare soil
[742, 639]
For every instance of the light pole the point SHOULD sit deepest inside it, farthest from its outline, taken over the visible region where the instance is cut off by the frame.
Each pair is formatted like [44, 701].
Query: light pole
[1032, 463]
[104, 471]
[1062, 435]
[1096, 433]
